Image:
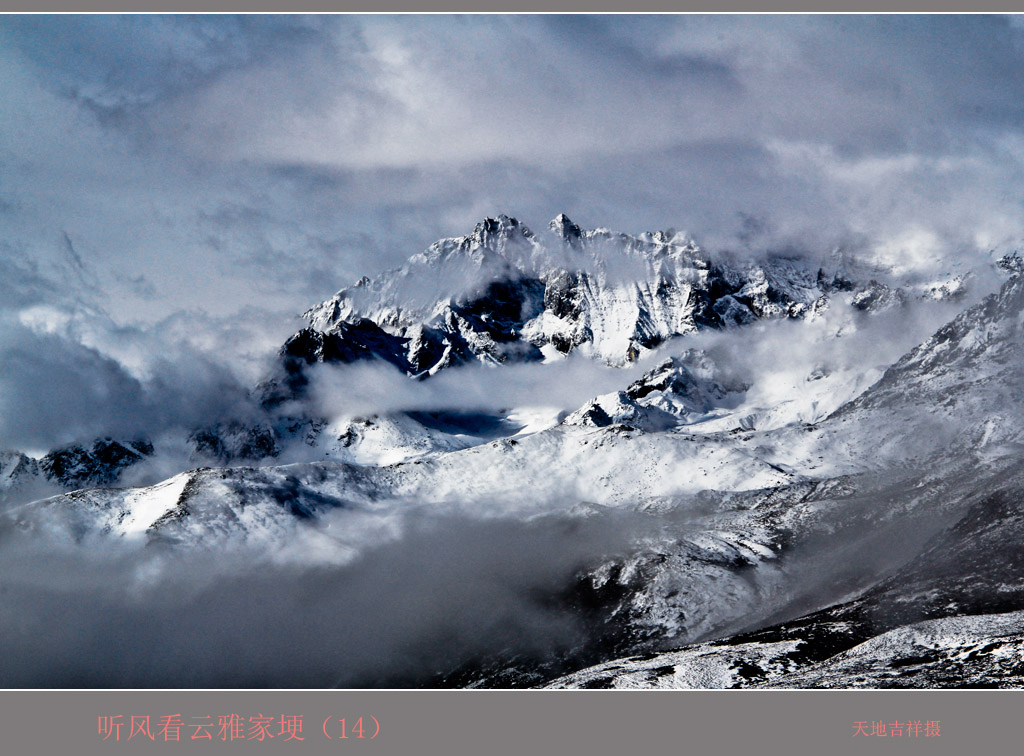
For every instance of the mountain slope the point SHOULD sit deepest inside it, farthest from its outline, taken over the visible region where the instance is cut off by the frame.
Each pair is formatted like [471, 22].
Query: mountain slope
[790, 531]
[501, 293]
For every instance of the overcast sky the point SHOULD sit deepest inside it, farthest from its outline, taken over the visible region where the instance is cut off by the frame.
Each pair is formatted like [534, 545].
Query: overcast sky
[227, 172]
[220, 161]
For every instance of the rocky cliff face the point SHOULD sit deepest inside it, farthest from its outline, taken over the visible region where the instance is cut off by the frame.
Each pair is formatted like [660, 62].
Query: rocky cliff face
[98, 464]
[503, 294]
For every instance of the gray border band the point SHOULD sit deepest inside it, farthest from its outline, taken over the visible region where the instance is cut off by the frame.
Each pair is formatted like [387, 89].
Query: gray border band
[532, 722]
[510, 723]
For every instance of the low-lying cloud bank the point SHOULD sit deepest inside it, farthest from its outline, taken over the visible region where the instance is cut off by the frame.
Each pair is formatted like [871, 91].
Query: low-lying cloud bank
[449, 591]
[756, 355]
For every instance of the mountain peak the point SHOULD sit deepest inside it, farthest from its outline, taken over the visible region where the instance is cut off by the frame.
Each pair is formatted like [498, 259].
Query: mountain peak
[566, 230]
[613, 295]
[488, 242]
[502, 228]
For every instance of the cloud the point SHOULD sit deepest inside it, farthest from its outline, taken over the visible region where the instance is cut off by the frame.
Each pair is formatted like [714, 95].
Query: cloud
[362, 390]
[216, 173]
[72, 373]
[450, 591]
[55, 390]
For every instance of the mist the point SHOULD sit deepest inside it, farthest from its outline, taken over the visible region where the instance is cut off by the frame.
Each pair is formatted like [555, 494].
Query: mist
[450, 591]
[55, 390]
[757, 355]
[368, 389]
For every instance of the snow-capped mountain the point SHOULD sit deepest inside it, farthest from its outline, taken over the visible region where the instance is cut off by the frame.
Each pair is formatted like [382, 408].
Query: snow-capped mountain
[939, 618]
[500, 295]
[769, 497]
[503, 294]
[24, 478]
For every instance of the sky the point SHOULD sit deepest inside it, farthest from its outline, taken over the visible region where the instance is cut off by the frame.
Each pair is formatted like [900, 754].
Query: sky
[175, 190]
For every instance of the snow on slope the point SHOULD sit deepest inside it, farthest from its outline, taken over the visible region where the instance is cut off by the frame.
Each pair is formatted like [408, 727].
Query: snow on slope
[981, 651]
[736, 477]
[609, 464]
[503, 294]
[499, 293]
